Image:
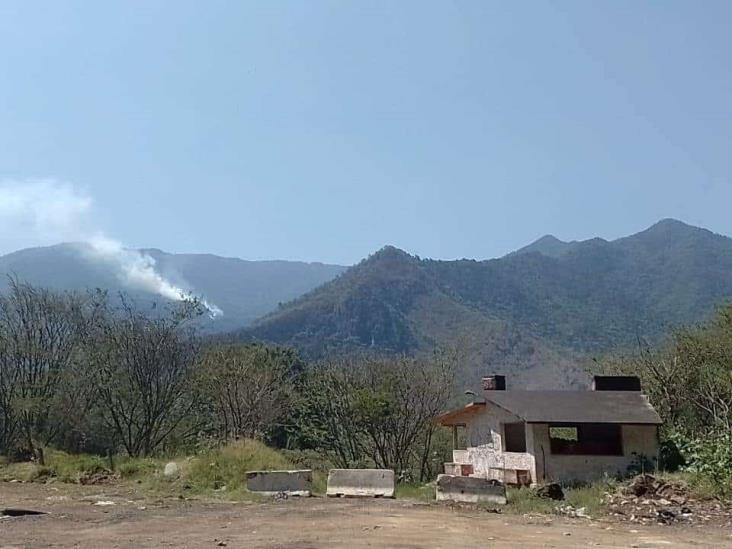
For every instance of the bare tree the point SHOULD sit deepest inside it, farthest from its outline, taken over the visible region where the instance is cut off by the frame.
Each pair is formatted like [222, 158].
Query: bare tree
[248, 387]
[40, 334]
[689, 380]
[145, 365]
[327, 419]
[379, 410]
[400, 399]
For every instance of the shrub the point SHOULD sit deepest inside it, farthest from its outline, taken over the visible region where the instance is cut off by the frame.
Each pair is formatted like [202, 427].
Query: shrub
[71, 467]
[138, 467]
[228, 465]
[709, 459]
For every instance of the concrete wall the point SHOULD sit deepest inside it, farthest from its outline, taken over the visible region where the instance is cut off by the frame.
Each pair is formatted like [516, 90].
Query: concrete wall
[361, 483]
[295, 483]
[641, 439]
[469, 490]
[485, 453]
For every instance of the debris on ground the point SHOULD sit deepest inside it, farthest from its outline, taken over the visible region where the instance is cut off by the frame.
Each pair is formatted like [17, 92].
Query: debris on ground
[98, 477]
[570, 511]
[647, 499]
[104, 503]
[550, 491]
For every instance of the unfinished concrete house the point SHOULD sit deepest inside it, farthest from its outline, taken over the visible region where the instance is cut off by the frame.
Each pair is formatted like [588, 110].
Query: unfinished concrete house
[530, 437]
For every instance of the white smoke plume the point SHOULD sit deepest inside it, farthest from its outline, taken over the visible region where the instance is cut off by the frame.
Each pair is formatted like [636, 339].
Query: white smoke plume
[45, 211]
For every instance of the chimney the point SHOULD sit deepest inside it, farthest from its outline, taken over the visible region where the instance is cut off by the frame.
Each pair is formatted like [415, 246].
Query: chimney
[493, 383]
[616, 383]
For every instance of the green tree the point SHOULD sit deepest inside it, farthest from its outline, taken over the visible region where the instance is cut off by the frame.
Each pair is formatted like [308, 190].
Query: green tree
[689, 382]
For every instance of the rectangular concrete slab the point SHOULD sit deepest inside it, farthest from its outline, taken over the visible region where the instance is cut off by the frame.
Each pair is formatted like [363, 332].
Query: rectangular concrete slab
[458, 469]
[361, 483]
[469, 490]
[292, 483]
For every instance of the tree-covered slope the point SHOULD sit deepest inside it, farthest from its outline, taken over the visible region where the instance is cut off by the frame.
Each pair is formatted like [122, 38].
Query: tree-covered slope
[520, 311]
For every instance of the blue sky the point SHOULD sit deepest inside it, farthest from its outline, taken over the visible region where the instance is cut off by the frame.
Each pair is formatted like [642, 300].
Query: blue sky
[324, 130]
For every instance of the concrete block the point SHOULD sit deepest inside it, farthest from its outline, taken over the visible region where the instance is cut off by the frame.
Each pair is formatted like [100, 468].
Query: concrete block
[292, 483]
[453, 469]
[458, 469]
[361, 483]
[469, 490]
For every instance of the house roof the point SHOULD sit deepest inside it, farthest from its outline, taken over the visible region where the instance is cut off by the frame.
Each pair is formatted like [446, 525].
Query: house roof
[459, 416]
[628, 407]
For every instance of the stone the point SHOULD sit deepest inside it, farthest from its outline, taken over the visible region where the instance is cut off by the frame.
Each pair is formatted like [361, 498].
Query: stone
[361, 483]
[469, 490]
[171, 469]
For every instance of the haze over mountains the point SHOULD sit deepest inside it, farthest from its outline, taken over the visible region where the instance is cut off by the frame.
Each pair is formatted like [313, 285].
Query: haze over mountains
[244, 290]
[536, 314]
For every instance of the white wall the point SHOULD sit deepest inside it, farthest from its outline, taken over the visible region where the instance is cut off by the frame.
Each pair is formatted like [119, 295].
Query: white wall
[641, 439]
[485, 451]
[485, 446]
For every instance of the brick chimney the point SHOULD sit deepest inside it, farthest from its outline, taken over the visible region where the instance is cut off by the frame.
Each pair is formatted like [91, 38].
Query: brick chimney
[493, 383]
[616, 383]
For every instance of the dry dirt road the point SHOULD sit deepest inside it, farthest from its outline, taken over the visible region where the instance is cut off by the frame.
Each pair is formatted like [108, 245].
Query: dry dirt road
[76, 519]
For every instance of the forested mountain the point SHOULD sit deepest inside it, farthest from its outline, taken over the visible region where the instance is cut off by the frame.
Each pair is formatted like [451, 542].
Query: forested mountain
[244, 290]
[536, 314]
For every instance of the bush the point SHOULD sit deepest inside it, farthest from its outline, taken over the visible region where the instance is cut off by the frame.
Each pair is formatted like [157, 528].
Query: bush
[71, 468]
[709, 459]
[228, 465]
[59, 465]
[308, 459]
[138, 467]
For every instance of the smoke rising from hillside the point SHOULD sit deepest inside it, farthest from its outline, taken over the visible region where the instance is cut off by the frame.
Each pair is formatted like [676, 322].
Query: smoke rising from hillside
[45, 211]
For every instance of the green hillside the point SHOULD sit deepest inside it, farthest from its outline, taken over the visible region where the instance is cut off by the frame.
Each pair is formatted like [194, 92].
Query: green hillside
[536, 314]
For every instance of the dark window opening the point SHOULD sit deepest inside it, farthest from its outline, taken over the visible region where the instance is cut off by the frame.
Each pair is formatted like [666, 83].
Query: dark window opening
[586, 439]
[515, 435]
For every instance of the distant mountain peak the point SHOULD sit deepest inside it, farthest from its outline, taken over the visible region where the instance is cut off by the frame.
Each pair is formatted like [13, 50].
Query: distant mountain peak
[667, 230]
[390, 253]
[670, 223]
[550, 240]
[548, 245]
[389, 249]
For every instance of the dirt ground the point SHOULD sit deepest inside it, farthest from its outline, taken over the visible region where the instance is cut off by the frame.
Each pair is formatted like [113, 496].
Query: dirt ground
[76, 519]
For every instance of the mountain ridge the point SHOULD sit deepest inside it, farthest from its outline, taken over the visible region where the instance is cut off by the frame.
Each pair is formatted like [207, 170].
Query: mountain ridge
[538, 313]
[525, 309]
[245, 290]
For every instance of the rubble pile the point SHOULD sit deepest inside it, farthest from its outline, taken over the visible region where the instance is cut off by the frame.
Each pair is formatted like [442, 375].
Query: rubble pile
[570, 511]
[98, 477]
[647, 499]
